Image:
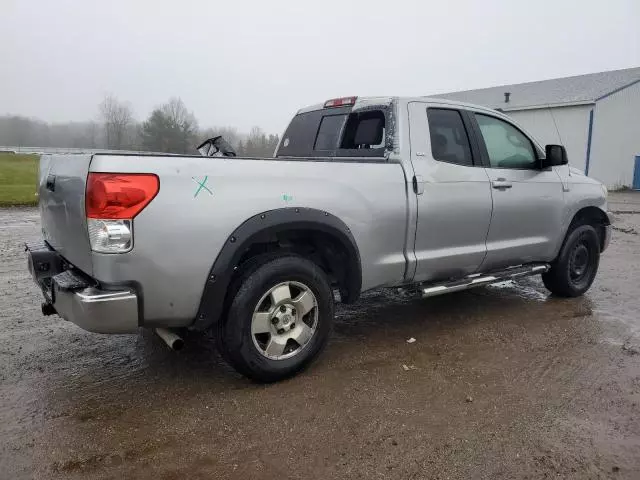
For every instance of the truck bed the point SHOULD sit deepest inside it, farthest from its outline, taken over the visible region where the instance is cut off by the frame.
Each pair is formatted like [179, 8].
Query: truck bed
[201, 201]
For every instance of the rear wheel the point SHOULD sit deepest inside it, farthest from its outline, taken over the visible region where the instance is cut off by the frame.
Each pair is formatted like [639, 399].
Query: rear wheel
[573, 272]
[279, 320]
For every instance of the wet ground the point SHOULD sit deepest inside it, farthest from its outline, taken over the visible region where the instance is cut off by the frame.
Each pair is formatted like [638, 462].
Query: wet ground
[501, 382]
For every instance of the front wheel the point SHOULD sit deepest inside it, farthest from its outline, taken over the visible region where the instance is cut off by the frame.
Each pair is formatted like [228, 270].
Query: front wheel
[573, 272]
[279, 320]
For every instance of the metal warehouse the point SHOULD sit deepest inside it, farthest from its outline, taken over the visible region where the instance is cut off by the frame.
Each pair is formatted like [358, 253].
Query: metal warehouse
[595, 116]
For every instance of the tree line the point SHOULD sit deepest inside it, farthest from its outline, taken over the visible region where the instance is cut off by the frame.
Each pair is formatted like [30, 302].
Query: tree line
[169, 128]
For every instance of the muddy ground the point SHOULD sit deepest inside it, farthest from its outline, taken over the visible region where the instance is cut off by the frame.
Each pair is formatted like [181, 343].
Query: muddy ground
[502, 382]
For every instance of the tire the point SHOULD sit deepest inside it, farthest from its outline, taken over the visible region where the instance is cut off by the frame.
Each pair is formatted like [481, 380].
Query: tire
[267, 335]
[573, 272]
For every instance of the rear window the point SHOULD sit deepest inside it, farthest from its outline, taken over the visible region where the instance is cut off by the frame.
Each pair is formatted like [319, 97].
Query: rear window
[335, 132]
[329, 132]
[300, 137]
[364, 131]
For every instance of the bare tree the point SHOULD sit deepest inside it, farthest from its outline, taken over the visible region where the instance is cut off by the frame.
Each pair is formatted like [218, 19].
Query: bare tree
[91, 134]
[259, 145]
[176, 112]
[170, 128]
[116, 116]
[182, 121]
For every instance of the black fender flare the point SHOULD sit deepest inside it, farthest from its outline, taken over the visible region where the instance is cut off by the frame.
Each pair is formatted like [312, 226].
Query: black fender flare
[265, 224]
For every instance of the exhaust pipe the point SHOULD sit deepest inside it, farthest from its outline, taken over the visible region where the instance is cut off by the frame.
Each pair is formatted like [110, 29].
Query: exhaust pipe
[173, 341]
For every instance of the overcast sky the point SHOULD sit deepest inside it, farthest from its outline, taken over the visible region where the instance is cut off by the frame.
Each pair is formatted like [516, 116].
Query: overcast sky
[245, 63]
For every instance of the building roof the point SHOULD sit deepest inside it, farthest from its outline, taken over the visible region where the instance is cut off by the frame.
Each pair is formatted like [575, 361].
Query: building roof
[580, 89]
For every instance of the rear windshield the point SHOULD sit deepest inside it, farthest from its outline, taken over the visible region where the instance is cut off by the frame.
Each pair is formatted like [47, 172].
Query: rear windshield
[335, 132]
[329, 132]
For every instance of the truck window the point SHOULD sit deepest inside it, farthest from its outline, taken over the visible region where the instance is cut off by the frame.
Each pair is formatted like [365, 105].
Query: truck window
[364, 131]
[299, 138]
[449, 140]
[335, 132]
[507, 146]
[329, 132]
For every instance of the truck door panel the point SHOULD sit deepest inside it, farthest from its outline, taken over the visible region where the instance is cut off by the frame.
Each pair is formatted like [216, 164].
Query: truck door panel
[527, 201]
[454, 210]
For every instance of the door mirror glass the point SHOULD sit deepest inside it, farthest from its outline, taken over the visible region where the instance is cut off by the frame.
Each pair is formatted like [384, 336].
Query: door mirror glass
[554, 155]
[216, 147]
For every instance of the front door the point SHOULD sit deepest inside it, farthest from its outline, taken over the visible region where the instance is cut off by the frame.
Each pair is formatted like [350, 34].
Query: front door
[452, 191]
[527, 201]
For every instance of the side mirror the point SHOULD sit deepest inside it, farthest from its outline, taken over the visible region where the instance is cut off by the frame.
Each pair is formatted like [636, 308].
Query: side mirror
[555, 155]
[216, 147]
[207, 148]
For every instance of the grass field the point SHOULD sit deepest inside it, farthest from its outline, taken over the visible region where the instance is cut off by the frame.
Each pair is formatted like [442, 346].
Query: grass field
[18, 175]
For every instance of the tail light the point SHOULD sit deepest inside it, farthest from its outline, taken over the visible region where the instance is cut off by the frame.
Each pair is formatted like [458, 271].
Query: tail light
[112, 201]
[119, 195]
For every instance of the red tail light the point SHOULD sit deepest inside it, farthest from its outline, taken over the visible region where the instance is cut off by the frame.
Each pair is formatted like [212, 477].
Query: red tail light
[119, 195]
[340, 102]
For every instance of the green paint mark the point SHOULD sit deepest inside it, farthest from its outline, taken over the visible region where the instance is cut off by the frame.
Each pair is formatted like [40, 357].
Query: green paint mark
[287, 198]
[201, 185]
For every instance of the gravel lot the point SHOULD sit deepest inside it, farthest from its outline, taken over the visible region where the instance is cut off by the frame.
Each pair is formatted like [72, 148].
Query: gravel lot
[502, 382]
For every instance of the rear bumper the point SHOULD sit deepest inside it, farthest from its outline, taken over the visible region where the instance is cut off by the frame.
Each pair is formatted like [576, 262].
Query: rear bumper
[78, 298]
[100, 311]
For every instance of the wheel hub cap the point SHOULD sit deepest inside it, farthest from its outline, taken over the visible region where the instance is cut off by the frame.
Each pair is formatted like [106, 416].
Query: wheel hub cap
[579, 261]
[285, 320]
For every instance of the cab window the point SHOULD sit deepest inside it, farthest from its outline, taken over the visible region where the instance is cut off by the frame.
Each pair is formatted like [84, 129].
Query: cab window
[449, 140]
[507, 146]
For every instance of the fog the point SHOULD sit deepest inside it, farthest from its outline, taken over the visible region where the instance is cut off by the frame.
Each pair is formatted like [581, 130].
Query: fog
[246, 63]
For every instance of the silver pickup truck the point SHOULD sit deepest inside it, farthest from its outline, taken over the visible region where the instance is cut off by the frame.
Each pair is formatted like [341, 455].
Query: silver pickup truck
[361, 193]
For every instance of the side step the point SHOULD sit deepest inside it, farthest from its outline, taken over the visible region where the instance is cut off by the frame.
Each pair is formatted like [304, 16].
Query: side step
[481, 279]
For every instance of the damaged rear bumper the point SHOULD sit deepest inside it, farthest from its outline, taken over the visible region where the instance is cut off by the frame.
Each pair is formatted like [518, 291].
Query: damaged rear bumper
[78, 298]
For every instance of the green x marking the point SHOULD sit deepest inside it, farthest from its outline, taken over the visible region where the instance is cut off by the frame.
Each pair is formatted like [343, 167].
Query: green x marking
[202, 185]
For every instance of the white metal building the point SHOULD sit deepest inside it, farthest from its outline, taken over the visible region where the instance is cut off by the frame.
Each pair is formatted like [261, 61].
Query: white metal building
[595, 116]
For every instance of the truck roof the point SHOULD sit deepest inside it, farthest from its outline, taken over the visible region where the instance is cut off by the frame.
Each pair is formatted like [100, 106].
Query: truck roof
[362, 102]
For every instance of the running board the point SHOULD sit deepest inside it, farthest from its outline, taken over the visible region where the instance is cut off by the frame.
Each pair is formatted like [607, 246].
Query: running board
[481, 279]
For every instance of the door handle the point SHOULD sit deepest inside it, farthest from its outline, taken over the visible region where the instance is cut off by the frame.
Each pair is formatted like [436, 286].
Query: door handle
[501, 184]
[418, 184]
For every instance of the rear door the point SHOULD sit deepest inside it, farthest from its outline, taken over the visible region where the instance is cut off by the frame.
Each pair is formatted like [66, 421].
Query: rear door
[527, 201]
[61, 190]
[452, 191]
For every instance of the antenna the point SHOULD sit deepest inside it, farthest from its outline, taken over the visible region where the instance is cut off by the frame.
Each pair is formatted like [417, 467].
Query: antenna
[556, 125]
[558, 132]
